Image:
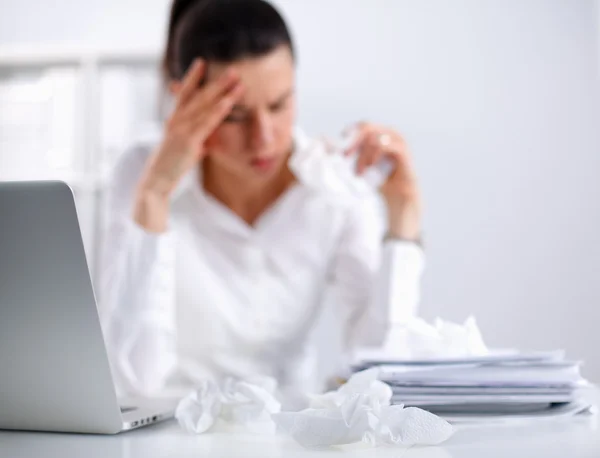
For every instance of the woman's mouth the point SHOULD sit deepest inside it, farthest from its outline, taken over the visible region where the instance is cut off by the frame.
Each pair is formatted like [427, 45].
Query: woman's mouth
[263, 163]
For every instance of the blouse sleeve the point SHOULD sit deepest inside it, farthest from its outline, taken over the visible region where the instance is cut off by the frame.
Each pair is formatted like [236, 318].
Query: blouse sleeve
[376, 283]
[137, 292]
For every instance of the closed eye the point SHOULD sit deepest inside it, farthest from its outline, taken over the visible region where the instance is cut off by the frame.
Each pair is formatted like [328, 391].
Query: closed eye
[274, 108]
[236, 117]
[241, 114]
[282, 102]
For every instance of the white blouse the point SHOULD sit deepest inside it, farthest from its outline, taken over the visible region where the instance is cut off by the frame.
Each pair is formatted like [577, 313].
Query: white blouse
[215, 297]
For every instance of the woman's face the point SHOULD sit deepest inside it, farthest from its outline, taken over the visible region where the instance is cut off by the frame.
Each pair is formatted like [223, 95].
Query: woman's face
[255, 140]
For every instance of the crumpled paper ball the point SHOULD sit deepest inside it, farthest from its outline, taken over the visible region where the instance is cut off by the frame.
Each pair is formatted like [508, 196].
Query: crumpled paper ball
[233, 406]
[365, 382]
[198, 411]
[418, 339]
[326, 164]
[358, 411]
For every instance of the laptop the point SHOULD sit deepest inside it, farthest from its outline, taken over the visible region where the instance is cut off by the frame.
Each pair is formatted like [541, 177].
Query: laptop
[54, 368]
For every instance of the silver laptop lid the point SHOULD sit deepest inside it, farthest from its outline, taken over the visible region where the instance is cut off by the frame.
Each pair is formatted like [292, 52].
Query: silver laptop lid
[54, 370]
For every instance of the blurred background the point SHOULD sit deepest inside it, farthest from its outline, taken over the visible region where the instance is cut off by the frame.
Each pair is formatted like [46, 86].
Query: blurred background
[499, 100]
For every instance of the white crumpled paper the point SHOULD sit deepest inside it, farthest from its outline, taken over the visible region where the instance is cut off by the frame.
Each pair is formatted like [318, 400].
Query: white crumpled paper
[325, 163]
[233, 406]
[358, 411]
[418, 339]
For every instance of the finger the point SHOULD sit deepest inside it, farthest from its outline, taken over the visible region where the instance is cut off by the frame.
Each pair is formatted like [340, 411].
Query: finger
[403, 165]
[205, 97]
[370, 153]
[379, 151]
[215, 116]
[365, 159]
[201, 112]
[397, 149]
[354, 147]
[191, 81]
[360, 131]
[399, 154]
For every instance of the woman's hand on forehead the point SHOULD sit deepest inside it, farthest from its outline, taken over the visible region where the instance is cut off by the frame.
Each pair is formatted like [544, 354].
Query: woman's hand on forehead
[198, 113]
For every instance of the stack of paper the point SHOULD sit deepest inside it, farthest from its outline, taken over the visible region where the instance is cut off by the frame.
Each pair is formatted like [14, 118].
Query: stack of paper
[499, 385]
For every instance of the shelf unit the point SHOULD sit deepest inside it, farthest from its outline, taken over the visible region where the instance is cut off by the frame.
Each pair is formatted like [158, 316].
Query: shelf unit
[66, 112]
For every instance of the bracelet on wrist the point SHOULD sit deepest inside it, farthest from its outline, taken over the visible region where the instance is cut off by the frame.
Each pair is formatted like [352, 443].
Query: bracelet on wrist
[393, 238]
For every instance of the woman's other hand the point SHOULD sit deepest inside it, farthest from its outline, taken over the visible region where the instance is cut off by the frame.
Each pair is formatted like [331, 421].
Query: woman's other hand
[198, 112]
[372, 144]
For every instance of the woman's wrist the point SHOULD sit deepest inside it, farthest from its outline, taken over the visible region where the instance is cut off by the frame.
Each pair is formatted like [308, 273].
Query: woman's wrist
[151, 210]
[403, 233]
[418, 241]
[404, 221]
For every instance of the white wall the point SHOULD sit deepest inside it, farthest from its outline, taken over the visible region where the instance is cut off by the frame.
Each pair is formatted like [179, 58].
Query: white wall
[499, 100]
[97, 23]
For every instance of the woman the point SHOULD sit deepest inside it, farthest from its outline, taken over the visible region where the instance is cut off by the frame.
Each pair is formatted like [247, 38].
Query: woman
[223, 245]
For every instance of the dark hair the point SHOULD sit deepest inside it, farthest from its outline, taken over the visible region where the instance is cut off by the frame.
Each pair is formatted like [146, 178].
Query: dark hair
[221, 31]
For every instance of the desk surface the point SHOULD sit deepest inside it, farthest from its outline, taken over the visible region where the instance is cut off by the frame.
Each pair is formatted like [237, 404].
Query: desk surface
[576, 438]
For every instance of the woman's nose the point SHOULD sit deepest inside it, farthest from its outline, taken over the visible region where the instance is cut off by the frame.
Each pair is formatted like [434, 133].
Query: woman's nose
[262, 133]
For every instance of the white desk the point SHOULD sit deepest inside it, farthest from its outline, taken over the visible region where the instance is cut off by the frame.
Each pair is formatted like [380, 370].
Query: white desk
[573, 439]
